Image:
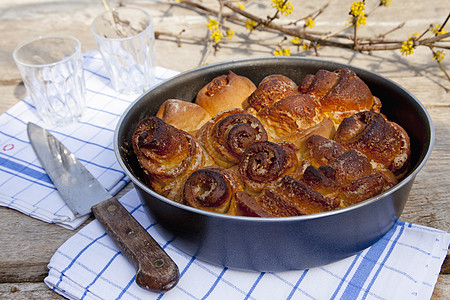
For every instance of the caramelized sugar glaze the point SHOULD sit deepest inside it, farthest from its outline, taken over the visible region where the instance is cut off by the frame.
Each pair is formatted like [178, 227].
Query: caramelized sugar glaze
[275, 149]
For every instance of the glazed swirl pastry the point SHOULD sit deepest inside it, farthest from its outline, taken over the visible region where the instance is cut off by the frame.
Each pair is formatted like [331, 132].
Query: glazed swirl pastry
[167, 155]
[348, 166]
[225, 92]
[270, 90]
[366, 187]
[290, 198]
[212, 189]
[292, 114]
[228, 134]
[264, 164]
[322, 151]
[339, 94]
[347, 176]
[385, 143]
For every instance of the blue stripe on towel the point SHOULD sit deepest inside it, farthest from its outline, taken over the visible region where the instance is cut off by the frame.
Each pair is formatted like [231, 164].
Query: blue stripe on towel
[254, 285]
[382, 264]
[297, 284]
[9, 164]
[366, 266]
[215, 283]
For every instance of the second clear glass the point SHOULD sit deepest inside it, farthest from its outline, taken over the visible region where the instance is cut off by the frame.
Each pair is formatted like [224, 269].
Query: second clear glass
[126, 41]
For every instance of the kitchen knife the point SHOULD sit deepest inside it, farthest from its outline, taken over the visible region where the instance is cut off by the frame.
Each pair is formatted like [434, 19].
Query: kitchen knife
[155, 270]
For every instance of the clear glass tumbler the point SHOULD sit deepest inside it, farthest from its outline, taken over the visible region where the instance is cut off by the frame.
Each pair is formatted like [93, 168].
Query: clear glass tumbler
[52, 71]
[126, 41]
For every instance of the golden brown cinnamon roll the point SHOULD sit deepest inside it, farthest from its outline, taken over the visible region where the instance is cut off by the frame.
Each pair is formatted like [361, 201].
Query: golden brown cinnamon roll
[339, 94]
[321, 151]
[351, 165]
[225, 92]
[212, 189]
[320, 179]
[183, 115]
[246, 205]
[228, 134]
[290, 115]
[305, 197]
[263, 164]
[384, 142]
[363, 188]
[290, 198]
[324, 129]
[271, 89]
[167, 155]
[266, 204]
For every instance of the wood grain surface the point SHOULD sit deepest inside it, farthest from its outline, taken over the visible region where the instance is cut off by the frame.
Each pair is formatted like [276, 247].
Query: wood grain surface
[27, 244]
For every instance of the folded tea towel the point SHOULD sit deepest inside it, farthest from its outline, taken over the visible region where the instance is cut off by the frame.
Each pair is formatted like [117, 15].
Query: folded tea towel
[404, 264]
[25, 186]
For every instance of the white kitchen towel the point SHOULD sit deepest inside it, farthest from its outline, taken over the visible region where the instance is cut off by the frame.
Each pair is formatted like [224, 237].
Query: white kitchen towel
[25, 186]
[404, 264]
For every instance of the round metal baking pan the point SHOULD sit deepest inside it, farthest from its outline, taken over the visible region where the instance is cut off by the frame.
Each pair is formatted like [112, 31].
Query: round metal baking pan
[276, 244]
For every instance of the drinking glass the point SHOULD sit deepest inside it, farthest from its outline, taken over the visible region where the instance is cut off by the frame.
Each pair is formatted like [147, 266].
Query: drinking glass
[51, 67]
[126, 41]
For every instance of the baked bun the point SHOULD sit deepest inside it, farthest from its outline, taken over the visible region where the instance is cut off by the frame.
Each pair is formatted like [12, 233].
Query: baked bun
[225, 92]
[290, 115]
[212, 189]
[263, 164]
[271, 89]
[385, 143]
[167, 155]
[324, 129]
[322, 151]
[183, 115]
[226, 136]
[290, 198]
[339, 94]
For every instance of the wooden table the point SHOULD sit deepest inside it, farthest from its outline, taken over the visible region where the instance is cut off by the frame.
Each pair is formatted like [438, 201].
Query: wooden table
[28, 244]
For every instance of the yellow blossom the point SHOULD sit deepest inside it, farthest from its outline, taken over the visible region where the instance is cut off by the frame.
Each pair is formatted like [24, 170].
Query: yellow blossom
[357, 12]
[241, 6]
[296, 41]
[437, 30]
[212, 24]
[438, 56]
[250, 24]
[278, 52]
[361, 20]
[230, 33]
[216, 35]
[309, 22]
[407, 47]
[385, 3]
[282, 52]
[284, 7]
[357, 8]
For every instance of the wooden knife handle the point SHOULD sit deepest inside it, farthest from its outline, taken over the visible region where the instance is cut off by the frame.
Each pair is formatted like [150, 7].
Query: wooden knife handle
[155, 270]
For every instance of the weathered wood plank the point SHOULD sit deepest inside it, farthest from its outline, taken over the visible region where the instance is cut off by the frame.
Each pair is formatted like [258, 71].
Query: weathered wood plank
[27, 291]
[27, 245]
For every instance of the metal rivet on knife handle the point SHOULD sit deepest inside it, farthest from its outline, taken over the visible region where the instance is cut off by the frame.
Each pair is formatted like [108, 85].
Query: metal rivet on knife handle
[155, 270]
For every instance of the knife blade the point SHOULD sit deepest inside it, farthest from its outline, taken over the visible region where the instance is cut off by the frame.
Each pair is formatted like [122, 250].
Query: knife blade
[155, 270]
